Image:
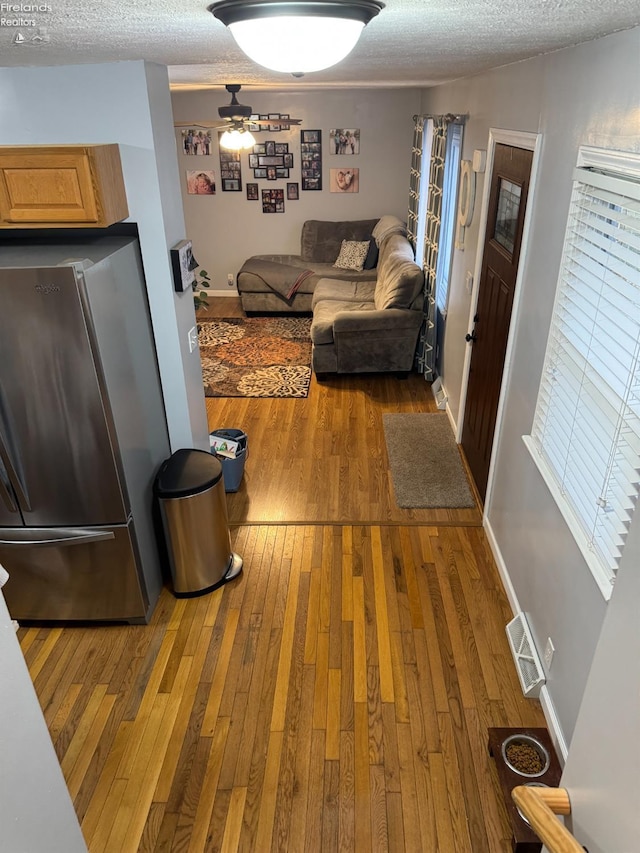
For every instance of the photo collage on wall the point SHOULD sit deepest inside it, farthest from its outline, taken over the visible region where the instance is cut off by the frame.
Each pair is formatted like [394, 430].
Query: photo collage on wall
[273, 161]
[230, 171]
[273, 201]
[311, 159]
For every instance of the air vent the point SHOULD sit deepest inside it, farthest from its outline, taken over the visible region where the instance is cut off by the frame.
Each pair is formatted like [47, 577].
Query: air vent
[525, 656]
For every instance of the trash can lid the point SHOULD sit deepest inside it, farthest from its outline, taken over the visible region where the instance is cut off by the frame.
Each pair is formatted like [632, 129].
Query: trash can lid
[187, 472]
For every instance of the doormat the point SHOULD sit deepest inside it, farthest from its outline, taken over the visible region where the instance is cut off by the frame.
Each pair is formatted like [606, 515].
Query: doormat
[255, 356]
[426, 467]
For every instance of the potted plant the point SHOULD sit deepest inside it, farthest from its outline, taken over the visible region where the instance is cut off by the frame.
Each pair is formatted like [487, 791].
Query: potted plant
[199, 294]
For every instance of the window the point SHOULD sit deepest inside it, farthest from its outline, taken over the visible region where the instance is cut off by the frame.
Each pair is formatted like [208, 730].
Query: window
[586, 430]
[423, 203]
[449, 211]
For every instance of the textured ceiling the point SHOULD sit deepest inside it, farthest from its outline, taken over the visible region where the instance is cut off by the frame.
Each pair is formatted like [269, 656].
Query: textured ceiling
[411, 42]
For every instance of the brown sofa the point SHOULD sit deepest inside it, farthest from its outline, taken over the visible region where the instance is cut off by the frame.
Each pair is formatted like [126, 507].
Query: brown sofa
[286, 283]
[365, 326]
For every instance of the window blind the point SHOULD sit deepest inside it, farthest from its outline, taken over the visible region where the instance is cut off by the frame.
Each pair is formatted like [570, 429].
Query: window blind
[586, 428]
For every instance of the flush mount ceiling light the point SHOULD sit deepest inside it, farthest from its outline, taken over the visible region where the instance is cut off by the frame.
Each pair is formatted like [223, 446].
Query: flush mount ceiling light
[236, 139]
[296, 37]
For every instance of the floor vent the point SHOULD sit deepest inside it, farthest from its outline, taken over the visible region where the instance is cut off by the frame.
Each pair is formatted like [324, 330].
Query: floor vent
[525, 656]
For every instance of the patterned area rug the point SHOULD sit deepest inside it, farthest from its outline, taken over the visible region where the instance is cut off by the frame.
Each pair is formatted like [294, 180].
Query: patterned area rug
[256, 356]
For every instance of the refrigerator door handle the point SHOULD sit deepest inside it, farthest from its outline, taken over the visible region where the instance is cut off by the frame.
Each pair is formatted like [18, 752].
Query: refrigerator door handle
[59, 536]
[14, 479]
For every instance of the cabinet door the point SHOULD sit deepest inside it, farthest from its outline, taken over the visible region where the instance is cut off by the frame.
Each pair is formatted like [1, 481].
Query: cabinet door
[61, 186]
[46, 187]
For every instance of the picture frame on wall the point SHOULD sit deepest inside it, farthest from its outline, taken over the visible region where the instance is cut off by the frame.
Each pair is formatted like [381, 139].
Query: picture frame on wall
[201, 182]
[311, 155]
[252, 192]
[344, 140]
[292, 192]
[344, 180]
[183, 266]
[196, 141]
[273, 201]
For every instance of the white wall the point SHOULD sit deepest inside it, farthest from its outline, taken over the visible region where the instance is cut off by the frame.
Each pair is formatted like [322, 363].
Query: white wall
[602, 772]
[226, 228]
[127, 103]
[583, 95]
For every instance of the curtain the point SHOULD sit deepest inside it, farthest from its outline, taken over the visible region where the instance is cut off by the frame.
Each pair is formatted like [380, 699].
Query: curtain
[426, 350]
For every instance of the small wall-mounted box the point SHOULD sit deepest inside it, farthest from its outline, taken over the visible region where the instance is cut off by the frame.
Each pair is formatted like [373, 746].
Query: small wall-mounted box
[479, 161]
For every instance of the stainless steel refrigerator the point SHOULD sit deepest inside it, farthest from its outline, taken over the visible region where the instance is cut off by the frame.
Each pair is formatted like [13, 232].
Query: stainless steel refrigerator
[82, 431]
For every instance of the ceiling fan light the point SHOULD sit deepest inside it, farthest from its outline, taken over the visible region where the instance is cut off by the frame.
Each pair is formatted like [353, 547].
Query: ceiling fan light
[310, 35]
[237, 140]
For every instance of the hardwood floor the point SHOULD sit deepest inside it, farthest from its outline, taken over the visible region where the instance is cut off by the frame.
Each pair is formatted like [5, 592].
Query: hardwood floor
[335, 697]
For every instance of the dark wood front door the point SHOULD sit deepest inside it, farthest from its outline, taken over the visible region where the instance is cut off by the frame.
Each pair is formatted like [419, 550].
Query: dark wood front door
[505, 219]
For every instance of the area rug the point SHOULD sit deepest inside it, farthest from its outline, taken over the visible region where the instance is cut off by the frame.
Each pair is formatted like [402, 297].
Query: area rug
[255, 356]
[426, 467]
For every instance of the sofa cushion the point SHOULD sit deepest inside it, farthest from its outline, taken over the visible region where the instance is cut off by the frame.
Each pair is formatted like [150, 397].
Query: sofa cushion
[324, 314]
[321, 240]
[400, 279]
[343, 291]
[352, 255]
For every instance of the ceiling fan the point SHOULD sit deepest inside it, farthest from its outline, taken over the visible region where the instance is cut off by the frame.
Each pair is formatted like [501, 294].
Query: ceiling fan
[234, 115]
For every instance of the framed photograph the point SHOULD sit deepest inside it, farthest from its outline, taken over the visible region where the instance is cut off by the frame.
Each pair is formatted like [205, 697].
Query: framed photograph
[253, 161]
[285, 125]
[292, 192]
[230, 170]
[288, 161]
[282, 147]
[276, 125]
[273, 201]
[276, 160]
[270, 147]
[344, 140]
[264, 118]
[183, 266]
[231, 185]
[281, 172]
[311, 154]
[201, 183]
[272, 173]
[344, 180]
[252, 192]
[196, 141]
[259, 173]
[254, 128]
[259, 148]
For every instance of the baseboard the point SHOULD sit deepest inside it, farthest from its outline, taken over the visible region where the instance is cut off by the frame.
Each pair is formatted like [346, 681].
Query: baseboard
[548, 708]
[553, 723]
[502, 567]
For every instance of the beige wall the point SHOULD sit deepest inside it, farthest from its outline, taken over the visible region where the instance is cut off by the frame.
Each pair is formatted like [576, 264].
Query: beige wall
[226, 228]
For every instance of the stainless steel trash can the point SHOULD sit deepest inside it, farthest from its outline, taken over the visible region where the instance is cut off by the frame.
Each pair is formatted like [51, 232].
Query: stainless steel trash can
[189, 488]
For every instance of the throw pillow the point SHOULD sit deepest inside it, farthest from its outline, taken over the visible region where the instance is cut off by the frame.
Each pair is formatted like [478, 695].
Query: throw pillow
[352, 255]
[371, 261]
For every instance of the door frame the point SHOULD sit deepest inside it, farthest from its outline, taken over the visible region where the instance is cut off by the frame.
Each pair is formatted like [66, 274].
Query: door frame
[530, 142]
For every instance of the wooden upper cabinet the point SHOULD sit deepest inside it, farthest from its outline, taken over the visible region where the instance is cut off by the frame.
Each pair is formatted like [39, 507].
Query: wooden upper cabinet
[44, 186]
